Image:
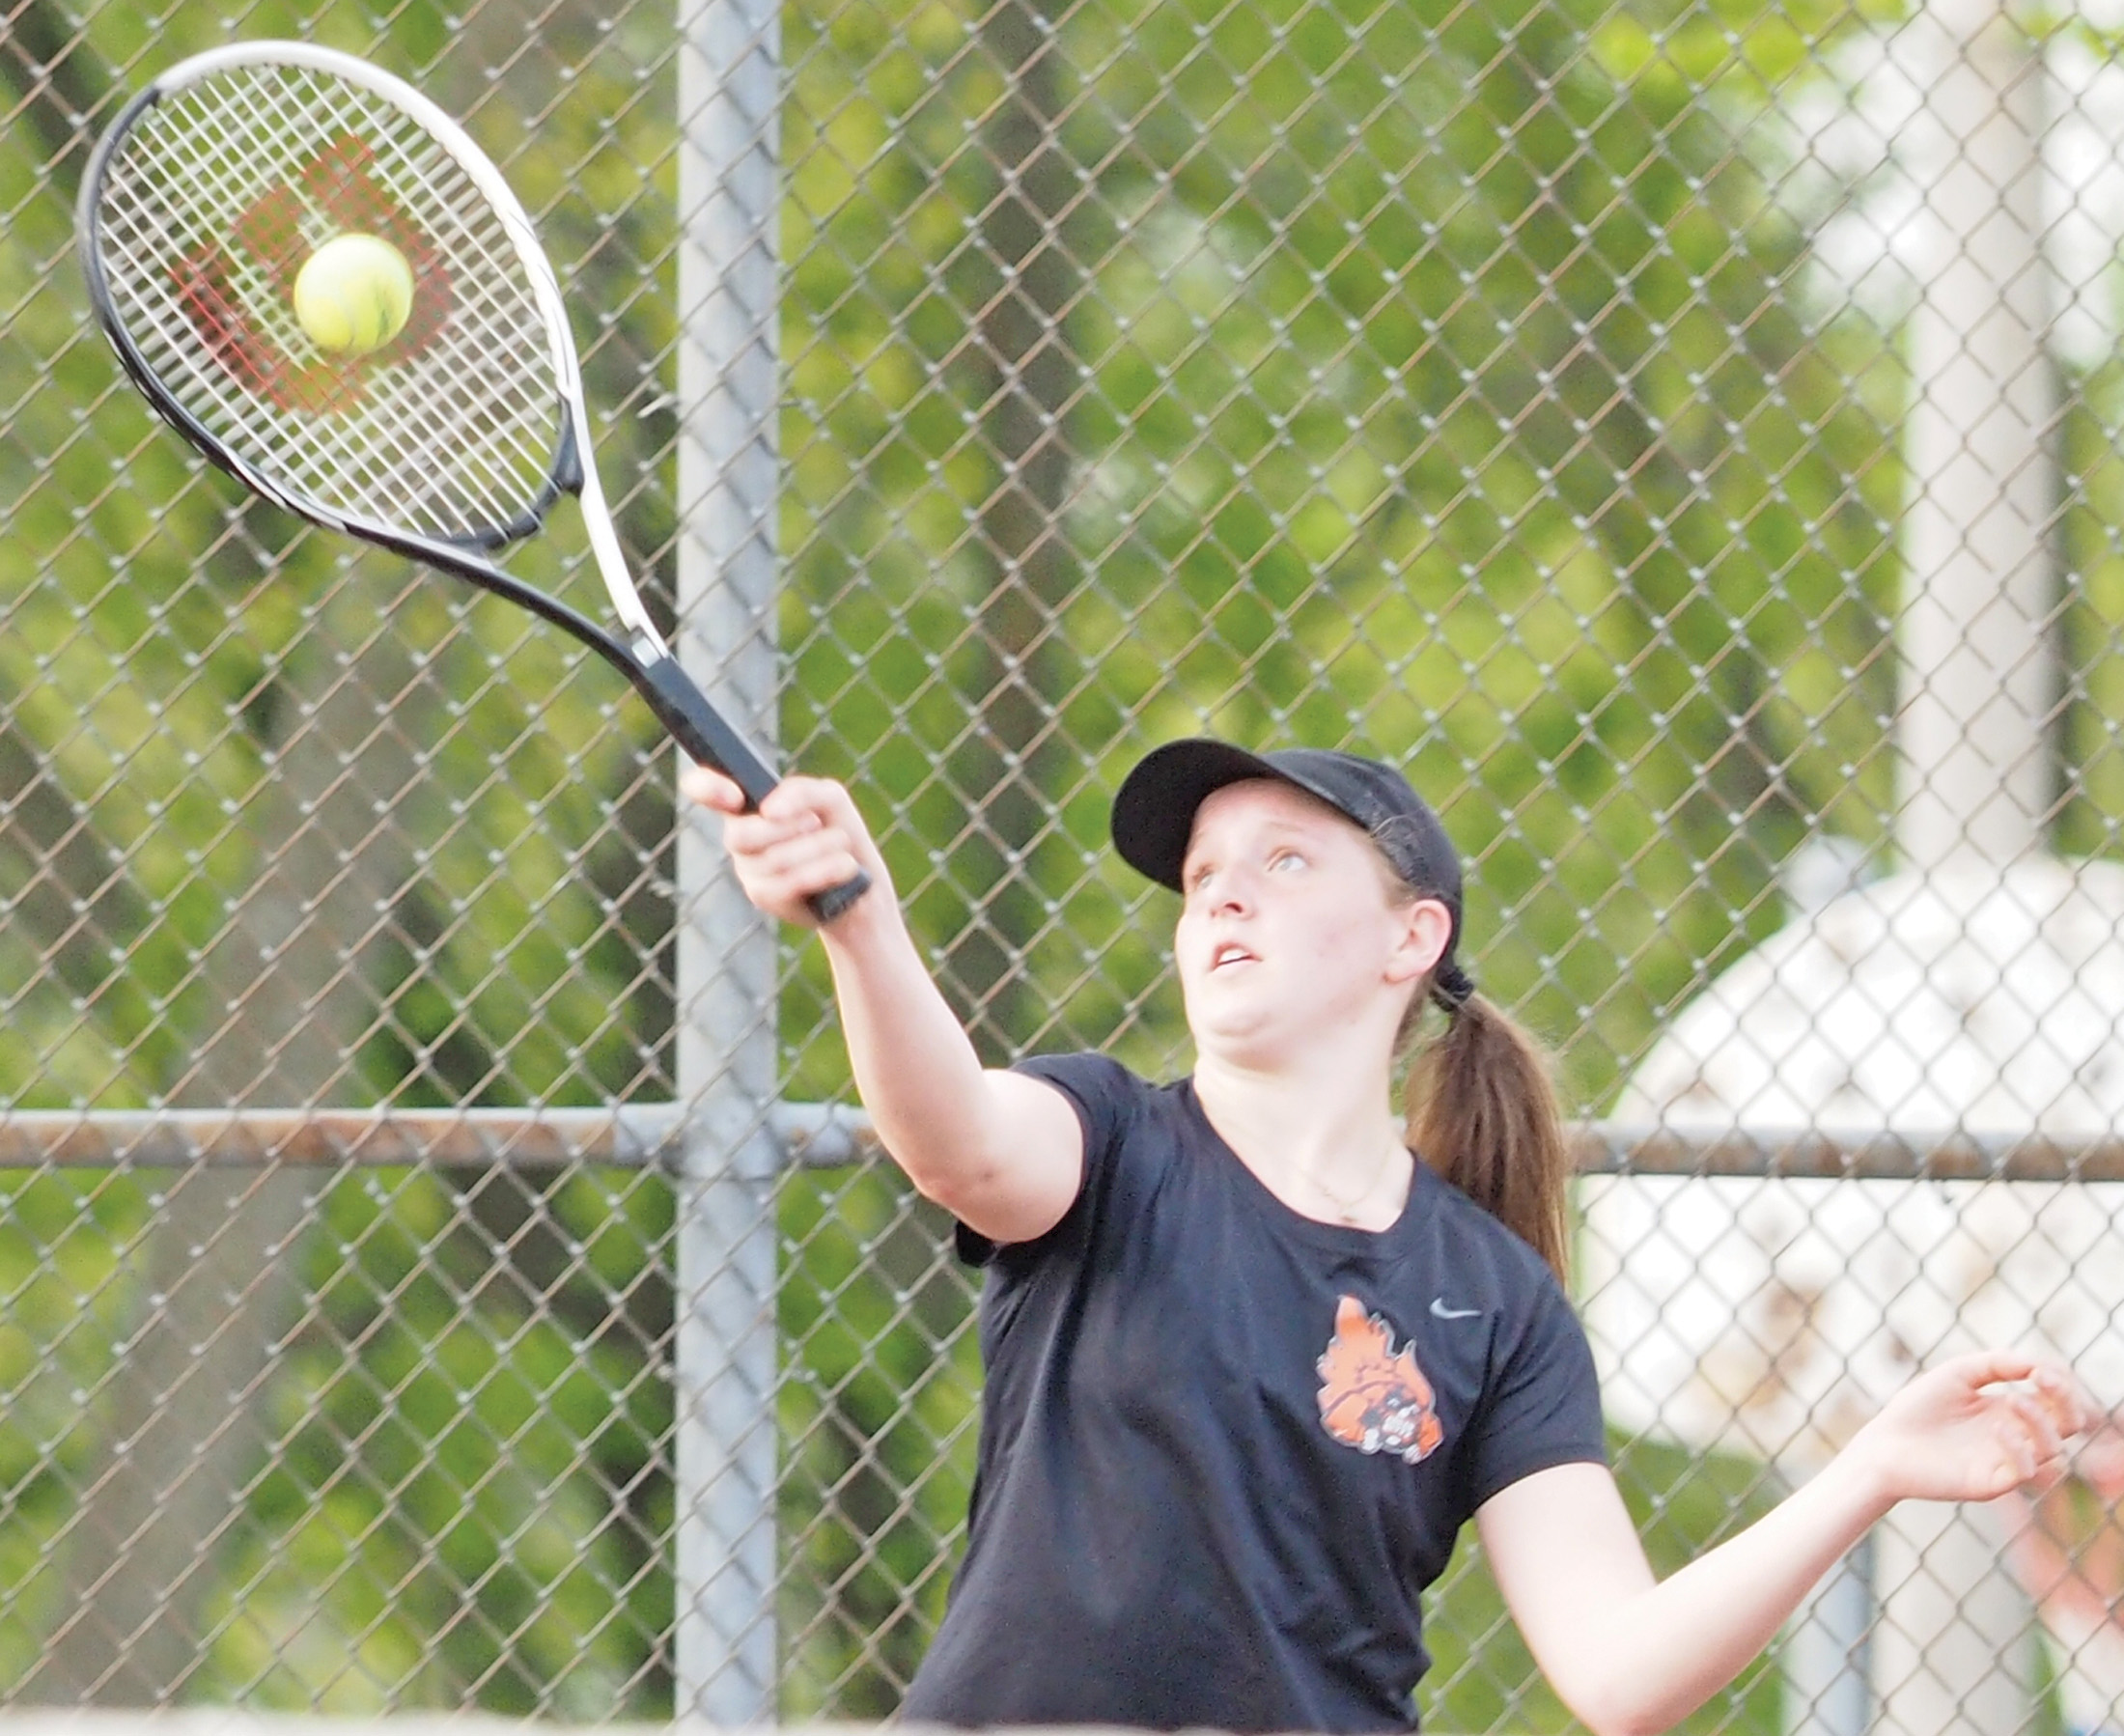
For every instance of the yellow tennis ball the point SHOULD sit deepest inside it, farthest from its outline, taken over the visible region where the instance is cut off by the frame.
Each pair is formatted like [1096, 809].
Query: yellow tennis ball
[354, 295]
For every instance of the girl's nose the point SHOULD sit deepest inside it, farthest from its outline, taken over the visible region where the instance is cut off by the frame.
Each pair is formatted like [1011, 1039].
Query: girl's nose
[1230, 889]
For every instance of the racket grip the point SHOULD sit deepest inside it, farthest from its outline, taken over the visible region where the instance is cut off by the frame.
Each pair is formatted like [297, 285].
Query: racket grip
[708, 736]
[834, 900]
[711, 740]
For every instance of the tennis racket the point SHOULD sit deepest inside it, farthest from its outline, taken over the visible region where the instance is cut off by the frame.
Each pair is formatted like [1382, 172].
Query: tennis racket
[199, 207]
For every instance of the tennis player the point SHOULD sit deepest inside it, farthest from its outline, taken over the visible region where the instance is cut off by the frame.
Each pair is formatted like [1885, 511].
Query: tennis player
[1256, 1346]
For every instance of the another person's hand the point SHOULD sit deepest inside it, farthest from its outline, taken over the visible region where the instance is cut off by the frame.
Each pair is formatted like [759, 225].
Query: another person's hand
[1974, 1428]
[2067, 1543]
[807, 838]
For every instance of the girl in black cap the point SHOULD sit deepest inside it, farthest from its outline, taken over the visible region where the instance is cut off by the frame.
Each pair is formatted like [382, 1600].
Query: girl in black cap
[1257, 1347]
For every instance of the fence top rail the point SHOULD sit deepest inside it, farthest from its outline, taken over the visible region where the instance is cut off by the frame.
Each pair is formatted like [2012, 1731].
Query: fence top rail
[630, 1135]
[827, 1135]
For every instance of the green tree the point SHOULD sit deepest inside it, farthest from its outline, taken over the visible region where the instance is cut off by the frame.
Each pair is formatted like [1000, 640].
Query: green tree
[274, 826]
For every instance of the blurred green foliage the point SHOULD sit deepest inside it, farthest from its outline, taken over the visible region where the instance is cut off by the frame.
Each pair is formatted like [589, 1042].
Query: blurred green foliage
[1442, 381]
[1437, 388]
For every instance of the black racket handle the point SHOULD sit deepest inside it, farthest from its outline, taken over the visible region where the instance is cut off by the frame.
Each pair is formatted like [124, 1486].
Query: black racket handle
[705, 734]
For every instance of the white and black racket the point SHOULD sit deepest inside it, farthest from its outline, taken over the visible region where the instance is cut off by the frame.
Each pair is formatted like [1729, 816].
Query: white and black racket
[200, 206]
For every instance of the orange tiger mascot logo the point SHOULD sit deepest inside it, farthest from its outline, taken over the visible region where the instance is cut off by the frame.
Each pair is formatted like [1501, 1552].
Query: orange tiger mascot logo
[1370, 1398]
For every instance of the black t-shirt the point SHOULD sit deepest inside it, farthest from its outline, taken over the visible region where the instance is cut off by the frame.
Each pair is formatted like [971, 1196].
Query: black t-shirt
[1224, 1446]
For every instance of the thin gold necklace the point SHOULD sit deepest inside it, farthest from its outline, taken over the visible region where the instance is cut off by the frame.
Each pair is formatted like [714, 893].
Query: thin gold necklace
[1347, 1208]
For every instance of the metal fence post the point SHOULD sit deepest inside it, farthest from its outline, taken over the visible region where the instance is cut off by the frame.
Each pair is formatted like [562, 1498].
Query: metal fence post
[727, 1062]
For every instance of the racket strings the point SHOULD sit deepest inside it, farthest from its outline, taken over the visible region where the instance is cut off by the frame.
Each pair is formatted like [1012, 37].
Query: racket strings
[213, 202]
[396, 443]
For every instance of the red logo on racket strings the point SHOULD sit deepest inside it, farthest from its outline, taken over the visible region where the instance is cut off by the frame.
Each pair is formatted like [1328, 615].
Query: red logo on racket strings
[1373, 1397]
[339, 185]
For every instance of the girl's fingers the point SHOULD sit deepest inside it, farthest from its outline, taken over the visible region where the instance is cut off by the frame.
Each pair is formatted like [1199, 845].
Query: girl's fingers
[824, 873]
[801, 855]
[2039, 1413]
[2075, 1405]
[1996, 1367]
[2067, 1408]
[710, 789]
[2044, 1450]
[793, 867]
[805, 837]
[2044, 1412]
[2101, 1461]
[759, 834]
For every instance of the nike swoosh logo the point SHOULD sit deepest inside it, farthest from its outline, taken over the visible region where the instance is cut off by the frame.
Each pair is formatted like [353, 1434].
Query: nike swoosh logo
[1442, 1312]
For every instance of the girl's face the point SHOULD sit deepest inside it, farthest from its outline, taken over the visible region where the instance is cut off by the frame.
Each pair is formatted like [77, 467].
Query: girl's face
[1291, 928]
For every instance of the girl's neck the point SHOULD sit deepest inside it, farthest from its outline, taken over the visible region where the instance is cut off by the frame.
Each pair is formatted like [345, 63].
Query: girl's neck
[1328, 1145]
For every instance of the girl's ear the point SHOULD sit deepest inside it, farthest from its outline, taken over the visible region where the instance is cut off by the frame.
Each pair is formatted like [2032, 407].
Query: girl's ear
[1426, 928]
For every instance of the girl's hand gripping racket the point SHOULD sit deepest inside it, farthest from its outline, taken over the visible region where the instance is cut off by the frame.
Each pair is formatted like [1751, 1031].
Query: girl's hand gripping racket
[417, 386]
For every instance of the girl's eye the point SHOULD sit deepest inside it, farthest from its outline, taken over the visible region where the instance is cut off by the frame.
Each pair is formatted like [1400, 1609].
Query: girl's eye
[1284, 859]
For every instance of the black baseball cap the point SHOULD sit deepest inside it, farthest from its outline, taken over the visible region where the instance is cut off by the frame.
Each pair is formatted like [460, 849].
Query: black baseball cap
[1154, 812]
[1154, 815]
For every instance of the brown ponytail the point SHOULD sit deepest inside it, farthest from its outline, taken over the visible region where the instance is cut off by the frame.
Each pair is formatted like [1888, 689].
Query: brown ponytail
[1482, 1112]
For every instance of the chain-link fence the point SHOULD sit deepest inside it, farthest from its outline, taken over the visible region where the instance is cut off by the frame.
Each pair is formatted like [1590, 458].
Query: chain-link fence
[439, 1266]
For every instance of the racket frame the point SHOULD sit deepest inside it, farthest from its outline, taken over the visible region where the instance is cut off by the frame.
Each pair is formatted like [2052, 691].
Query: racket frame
[643, 657]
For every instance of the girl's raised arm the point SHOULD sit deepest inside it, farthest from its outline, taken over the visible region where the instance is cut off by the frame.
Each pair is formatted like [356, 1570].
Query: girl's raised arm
[1633, 1655]
[1001, 1152]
